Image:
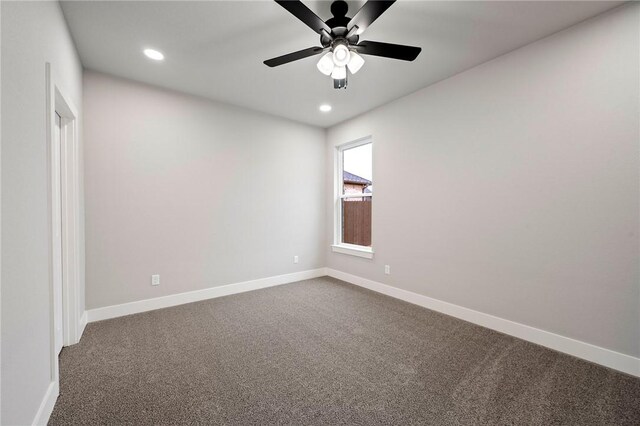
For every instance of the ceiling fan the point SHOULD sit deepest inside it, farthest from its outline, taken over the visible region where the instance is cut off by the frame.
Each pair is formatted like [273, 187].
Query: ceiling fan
[340, 39]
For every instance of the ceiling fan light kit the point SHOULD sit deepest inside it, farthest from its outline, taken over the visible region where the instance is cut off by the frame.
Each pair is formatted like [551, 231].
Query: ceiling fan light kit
[339, 37]
[333, 63]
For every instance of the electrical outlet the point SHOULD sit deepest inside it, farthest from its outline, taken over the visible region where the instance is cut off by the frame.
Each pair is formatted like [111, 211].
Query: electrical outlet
[295, 259]
[155, 279]
[387, 269]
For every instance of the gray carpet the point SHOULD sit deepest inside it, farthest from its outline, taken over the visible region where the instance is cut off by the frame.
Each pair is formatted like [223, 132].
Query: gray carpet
[325, 352]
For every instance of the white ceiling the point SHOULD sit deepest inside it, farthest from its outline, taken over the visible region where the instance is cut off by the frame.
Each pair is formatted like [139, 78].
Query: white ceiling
[215, 49]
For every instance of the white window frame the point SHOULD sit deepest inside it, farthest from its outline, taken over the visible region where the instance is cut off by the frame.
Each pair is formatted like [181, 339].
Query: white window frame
[338, 195]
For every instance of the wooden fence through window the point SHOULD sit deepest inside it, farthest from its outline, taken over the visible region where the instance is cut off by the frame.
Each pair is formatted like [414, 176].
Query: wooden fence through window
[356, 221]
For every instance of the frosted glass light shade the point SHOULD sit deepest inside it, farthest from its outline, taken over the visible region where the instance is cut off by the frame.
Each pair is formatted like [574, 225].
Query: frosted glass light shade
[325, 64]
[339, 73]
[355, 63]
[341, 55]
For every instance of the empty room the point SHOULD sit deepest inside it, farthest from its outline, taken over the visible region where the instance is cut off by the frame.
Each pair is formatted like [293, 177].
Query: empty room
[320, 212]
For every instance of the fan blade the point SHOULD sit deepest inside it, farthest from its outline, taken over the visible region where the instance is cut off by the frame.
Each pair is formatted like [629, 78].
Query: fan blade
[303, 13]
[300, 54]
[388, 50]
[368, 13]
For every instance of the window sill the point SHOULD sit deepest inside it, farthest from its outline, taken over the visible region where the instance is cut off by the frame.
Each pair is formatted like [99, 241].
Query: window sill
[353, 250]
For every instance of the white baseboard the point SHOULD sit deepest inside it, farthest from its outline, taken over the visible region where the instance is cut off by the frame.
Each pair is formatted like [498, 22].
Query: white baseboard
[47, 404]
[114, 311]
[587, 351]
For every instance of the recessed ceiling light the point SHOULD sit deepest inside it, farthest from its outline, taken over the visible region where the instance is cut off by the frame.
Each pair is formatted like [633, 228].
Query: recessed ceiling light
[325, 108]
[153, 54]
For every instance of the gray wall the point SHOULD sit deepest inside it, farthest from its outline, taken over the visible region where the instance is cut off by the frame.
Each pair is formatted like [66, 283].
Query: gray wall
[201, 193]
[32, 33]
[513, 188]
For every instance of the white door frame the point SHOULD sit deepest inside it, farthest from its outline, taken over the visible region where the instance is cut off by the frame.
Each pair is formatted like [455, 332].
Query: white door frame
[72, 326]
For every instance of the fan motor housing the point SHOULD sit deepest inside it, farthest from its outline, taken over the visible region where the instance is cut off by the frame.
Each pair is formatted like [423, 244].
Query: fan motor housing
[338, 33]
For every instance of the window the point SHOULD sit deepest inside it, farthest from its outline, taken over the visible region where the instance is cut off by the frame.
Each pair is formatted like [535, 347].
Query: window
[354, 198]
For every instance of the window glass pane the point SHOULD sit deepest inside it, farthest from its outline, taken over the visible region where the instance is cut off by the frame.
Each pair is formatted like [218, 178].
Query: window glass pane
[356, 210]
[356, 169]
